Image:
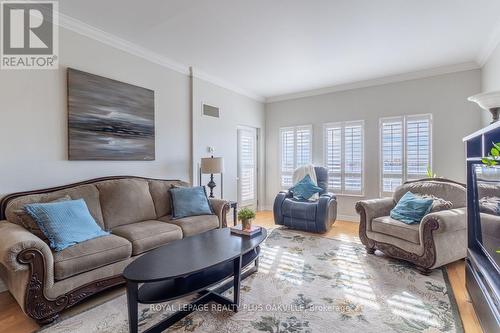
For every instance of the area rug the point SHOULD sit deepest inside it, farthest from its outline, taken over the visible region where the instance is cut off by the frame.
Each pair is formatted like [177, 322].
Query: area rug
[306, 283]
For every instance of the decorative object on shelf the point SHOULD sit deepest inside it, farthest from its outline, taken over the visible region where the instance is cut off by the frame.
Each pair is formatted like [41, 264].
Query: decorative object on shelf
[493, 156]
[246, 215]
[212, 165]
[109, 120]
[489, 101]
[240, 230]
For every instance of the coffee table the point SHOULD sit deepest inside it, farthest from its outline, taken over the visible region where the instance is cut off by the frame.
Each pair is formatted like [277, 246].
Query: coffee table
[188, 266]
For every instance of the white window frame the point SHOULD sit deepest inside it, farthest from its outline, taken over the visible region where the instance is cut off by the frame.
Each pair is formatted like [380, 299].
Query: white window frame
[404, 120]
[342, 125]
[280, 152]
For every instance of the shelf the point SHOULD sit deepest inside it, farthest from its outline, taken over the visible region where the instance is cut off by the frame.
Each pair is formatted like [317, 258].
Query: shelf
[157, 292]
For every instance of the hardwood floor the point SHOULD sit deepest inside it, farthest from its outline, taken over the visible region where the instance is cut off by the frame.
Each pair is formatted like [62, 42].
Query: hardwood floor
[13, 320]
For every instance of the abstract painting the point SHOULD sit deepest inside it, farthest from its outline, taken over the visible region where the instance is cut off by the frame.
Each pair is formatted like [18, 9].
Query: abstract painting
[108, 119]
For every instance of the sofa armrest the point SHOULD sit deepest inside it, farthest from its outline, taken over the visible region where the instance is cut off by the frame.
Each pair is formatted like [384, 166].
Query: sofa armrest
[448, 220]
[221, 208]
[373, 208]
[13, 240]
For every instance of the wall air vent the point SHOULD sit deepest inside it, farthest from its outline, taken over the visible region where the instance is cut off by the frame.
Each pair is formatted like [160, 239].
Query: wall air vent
[211, 111]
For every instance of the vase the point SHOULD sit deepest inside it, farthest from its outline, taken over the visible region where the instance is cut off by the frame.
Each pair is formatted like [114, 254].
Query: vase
[247, 224]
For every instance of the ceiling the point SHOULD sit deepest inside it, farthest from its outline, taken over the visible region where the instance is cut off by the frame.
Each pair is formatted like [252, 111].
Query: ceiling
[275, 47]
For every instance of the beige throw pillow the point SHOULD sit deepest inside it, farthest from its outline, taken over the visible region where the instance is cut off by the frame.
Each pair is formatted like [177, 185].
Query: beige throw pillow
[25, 220]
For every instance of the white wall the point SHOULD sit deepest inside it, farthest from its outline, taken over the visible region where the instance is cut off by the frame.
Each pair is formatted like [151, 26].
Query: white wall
[33, 118]
[491, 79]
[221, 133]
[444, 96]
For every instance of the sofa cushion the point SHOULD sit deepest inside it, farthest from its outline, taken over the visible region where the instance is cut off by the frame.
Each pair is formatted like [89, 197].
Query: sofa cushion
[125, 201]
[90, 255]
[389, 226]
[161, 195]
[305, 210]
[148, 235]
[194, 224]
[89, 193]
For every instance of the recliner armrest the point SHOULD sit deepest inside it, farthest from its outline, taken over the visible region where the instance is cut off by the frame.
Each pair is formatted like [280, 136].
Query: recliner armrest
[278, 202]
[448, 220]
[326, 212]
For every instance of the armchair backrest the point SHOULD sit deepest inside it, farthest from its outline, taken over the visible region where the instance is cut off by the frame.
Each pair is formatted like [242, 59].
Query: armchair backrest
[322, 178]
[438, 187]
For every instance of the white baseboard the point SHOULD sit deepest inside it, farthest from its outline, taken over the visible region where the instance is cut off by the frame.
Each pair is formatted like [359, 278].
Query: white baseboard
[349, 218]
[266, 208]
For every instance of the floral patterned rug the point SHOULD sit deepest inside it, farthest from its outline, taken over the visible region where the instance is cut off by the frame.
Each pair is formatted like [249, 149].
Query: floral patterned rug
[306, 283]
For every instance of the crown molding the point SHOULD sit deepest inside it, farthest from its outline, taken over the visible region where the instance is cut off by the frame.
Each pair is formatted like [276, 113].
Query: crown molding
[226, 85]
[119, 43]
[377, 82]
[490, 46]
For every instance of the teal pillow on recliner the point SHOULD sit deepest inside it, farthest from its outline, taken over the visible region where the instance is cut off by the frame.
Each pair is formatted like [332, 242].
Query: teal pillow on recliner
[305, 189]
[411, 208]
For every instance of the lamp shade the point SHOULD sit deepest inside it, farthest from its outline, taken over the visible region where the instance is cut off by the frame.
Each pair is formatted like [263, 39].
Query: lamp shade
[211, 165]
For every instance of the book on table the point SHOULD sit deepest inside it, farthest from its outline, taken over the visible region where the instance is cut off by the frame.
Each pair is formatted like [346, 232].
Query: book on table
[238, 230]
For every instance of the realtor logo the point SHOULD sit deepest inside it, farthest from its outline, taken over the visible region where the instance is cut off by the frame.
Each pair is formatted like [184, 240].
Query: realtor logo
[29, 35]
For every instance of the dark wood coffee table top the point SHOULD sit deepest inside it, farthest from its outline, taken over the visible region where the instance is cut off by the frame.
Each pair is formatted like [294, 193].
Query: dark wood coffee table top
[190, 255]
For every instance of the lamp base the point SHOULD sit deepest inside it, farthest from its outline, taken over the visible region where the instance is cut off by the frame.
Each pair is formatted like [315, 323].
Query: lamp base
[211, 185]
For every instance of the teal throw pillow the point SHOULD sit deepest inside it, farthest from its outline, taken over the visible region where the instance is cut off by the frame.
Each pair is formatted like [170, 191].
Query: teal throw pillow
[65, 223]
[305, 189]
[189, 201]
[411, 208]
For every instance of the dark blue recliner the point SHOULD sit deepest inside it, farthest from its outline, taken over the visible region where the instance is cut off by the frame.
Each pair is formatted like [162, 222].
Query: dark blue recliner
[315, 216]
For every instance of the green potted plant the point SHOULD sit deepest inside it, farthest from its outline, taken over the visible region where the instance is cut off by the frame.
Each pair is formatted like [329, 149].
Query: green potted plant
[246, 215]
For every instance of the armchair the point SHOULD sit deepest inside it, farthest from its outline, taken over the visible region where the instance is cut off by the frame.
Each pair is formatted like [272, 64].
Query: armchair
[440, 238]
[316, 216]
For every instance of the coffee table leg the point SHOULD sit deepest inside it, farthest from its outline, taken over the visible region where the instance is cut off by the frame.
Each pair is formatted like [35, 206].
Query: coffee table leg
[236, 283]
[132, 295]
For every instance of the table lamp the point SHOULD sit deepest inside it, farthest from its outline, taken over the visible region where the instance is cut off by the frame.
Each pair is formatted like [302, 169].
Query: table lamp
[212, 165]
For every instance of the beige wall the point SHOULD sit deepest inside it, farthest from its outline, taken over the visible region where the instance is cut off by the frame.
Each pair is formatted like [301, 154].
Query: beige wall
[491, 79]
[33, 120]
[221, 133]
[444, 96]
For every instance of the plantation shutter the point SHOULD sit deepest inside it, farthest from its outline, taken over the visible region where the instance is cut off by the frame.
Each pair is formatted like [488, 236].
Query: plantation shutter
[353, 158]
[406, 150]
[295, 151]
[418, 152]
[343, 156]
[333, 155]
[247, 166]
[391, 132]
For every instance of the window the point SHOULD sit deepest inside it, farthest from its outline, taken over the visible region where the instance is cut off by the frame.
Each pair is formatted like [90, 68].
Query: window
[406, 150]
[295, 151]
[343, 149]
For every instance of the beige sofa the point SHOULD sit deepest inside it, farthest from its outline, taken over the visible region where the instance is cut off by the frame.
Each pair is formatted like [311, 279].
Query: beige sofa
[440, 238]
[137, 212]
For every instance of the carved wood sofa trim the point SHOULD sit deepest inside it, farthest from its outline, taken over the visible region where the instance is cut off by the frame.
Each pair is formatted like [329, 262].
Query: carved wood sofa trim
[423, 262]
[45, 310]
